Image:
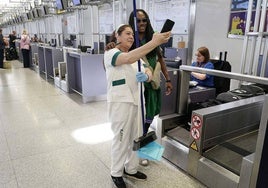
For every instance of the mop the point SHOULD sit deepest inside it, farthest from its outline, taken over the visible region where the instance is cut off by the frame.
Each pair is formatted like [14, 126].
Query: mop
[147, 149]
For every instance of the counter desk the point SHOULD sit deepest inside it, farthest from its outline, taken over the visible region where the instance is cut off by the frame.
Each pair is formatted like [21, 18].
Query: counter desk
[86, 75]
[201, 94]
[17, 44]
[34, 56]
[48, 60]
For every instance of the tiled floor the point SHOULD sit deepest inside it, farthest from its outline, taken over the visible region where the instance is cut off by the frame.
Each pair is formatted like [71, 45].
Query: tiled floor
[49, 138]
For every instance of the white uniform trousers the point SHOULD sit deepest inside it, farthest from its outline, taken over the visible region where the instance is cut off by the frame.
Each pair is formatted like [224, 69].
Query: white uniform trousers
[123, 117]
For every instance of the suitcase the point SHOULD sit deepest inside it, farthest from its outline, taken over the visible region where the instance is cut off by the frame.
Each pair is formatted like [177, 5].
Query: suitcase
[7, 65]
[246, 91]
[227, 97]
[11, 54]
[7, 54]
[221, 84]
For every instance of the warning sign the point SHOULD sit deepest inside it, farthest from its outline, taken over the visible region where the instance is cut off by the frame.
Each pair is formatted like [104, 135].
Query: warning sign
[194, 146]
[195, 133]
[196, 121]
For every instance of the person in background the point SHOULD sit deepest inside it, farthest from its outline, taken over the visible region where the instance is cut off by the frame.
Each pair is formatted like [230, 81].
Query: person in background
[152, 94]
[123, 98]
[25, 48]
[202, 60]
[12, 45]
[2, 48]
[12, 38]
[36, 39]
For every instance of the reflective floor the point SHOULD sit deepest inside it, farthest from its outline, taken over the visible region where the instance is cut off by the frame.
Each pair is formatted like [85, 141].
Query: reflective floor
[50, 139]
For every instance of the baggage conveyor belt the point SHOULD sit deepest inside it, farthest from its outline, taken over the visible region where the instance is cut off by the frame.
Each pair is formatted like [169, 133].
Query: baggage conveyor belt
[180, 134]
[230, 153]
[221, 142]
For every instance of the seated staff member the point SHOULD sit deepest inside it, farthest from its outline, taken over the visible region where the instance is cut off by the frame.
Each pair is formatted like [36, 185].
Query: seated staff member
[202, 61]
[123, 98]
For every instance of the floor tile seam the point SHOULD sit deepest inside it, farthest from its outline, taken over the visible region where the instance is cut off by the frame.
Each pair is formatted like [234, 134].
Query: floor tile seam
[49, 152]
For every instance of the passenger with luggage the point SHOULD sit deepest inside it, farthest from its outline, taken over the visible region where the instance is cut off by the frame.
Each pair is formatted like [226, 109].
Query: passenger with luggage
[12, 38]
[203, 61]
[11, 52]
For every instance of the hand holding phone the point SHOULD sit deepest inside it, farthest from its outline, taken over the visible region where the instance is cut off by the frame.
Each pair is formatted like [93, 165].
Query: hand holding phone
[168, 25]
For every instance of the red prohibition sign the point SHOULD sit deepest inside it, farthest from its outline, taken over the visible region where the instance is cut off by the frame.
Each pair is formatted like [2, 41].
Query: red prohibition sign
[196, 121]
[195, 133]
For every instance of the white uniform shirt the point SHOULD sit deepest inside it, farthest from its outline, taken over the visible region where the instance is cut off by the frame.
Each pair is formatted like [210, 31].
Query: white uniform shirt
[121, 80]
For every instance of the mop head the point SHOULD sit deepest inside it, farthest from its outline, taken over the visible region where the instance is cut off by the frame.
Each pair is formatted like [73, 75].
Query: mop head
[144, 140]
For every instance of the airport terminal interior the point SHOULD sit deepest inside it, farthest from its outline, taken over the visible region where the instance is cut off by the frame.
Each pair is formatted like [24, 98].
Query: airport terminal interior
[54, 127]
[50, 139]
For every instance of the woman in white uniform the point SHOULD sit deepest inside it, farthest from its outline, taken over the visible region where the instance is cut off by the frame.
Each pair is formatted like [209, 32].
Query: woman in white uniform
[123, 97]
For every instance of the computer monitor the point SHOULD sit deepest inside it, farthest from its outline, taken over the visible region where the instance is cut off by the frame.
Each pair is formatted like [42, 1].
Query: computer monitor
[45, 9]
[61, 4]
[53, 42]
[84, 48]
[96, 47]
[166, 45]
[40, 12]
[107, 39]
[34, 12]
[101, 45]
[30, 15]
[78, 2]
[68, 42]
[72, 37]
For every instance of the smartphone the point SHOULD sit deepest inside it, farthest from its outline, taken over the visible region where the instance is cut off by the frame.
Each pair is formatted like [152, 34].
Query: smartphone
[168, 25]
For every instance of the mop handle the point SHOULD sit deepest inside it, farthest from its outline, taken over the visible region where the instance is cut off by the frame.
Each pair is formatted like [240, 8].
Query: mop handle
[139, 62]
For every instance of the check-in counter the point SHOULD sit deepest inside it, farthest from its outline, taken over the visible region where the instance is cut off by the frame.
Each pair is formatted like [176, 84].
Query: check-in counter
[169, 102]
[17, 44]
[53, 55]
[41, 59]
[34, 56]
[222, 140]
[48, 60]
[86, 75]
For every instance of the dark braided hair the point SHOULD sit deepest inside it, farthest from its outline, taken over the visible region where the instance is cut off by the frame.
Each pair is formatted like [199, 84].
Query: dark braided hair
[148, 32]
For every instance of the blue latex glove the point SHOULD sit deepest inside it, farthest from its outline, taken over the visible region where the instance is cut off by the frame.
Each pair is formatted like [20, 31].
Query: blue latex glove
[141, 77]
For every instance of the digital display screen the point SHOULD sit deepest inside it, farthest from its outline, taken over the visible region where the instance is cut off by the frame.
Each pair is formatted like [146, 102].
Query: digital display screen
[59, 4]
[34, 14]
[29, 16]
[46, 11]
[77, 2]
[39, 12]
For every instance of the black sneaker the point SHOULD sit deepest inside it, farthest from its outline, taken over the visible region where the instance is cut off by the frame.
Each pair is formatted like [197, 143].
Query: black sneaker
[137, 176]
[119, 182]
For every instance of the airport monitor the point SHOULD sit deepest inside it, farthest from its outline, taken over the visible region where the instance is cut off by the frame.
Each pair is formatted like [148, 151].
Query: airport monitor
[61, 4]
[78, 2]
